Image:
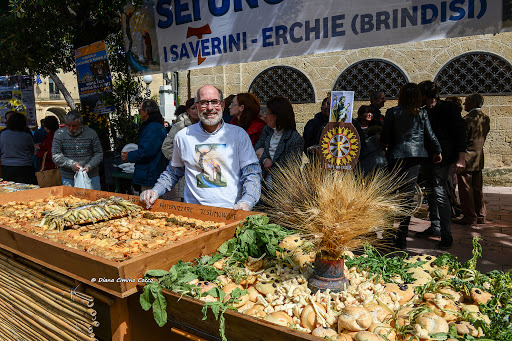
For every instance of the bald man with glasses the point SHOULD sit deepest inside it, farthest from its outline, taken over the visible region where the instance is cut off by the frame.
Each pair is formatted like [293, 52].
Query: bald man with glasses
[217, 160]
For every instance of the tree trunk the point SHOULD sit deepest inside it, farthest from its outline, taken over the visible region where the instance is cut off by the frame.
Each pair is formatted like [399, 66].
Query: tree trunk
[63, 90]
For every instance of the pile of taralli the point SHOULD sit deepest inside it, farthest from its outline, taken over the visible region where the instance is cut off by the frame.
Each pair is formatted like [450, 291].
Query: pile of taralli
[113, 228]
[263, 272]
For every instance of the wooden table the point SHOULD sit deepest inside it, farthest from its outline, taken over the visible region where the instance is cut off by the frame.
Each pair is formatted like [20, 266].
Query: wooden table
[87, 268]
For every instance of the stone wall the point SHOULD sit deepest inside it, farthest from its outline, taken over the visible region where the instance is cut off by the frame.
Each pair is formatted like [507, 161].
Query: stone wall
[419, 61]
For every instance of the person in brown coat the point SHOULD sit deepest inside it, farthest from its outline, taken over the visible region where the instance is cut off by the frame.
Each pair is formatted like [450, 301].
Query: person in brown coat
[470, 179]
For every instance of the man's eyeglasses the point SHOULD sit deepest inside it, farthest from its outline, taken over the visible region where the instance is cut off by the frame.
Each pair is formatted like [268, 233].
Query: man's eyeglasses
[213, 102]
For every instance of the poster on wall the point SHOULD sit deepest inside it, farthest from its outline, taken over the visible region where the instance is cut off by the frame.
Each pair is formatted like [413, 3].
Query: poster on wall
[93, 76]
[196, 34]
[342, 104]
[17, 94]
[139, 36]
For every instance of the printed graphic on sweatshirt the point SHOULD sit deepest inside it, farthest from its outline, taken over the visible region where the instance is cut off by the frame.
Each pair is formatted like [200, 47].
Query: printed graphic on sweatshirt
[210, 159]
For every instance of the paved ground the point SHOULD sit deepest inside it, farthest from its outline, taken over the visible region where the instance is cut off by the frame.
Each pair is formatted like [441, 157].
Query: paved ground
[496, 234]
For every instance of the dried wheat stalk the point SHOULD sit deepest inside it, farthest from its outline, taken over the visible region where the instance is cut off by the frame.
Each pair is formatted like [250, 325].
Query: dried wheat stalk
[342, 209]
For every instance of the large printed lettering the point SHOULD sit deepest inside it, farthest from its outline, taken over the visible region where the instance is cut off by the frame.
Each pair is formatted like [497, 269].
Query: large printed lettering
[186, 11]
[220, 32]
[310, 30]
[417, 15]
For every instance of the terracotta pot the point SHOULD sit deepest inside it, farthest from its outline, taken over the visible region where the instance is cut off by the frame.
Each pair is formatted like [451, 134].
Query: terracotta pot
[328, 274]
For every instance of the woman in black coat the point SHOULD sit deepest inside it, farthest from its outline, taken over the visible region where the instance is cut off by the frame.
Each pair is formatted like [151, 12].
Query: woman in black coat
[279, 138]
[407, 134]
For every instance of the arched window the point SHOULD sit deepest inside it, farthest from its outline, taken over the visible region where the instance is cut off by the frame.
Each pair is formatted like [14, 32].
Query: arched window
[370, 75]
[283, 81]
[475, 72]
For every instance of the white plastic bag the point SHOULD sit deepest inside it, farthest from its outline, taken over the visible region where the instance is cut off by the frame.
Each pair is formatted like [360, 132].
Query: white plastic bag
[82, 180]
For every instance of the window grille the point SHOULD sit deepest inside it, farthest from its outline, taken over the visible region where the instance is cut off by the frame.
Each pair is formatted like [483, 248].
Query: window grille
[282, 81]
[370, 75]
[475, 72]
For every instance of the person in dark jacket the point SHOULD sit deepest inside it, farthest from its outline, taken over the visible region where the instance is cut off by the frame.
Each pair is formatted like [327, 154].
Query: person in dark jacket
[40, 133]
[377, 101]
[51, 125]
[279, 139]
[149, 160]
[470, 180]
[407, 134]
[314, 127]
[373, 155]
[16, 151]
[448, 125]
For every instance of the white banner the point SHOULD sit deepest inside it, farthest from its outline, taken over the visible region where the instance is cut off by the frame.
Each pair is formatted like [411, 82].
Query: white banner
[204, 33]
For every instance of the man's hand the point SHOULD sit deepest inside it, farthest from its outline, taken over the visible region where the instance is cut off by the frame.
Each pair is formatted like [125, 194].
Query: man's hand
[76, 166]
[438, 158]
[124, 156]
[242, 205]
[86, 169]
[267, 163]
[259, 152]
[460, 165]
[149, 197]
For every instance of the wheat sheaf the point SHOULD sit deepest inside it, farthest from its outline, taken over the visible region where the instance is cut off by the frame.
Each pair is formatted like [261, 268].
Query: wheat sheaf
[342, 210]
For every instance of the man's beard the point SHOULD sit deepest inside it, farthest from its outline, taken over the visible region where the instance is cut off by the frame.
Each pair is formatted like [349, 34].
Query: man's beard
[210, 121]
[75, 133]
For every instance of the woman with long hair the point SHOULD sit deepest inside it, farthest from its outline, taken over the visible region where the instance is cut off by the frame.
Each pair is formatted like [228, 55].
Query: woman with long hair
[245, 109]
[17, 150]
[279, 139]
[50, 125]
[408, 135]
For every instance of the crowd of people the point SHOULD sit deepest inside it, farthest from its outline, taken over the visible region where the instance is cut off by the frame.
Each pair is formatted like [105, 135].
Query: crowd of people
[223, 152]
[427, 141]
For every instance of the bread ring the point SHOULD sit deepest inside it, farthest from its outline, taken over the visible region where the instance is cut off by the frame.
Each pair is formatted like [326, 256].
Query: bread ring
[480, 296]
[464, 327]
[433, 323]
[384, 330]
[205, 286]
[354, 319]
[308, 316]
[379, 313]
[228, 288]
[344, 337]
[367, 336]
[242, 300]
[279, 317]
[257, 310]
[253, 294]
[323, 332]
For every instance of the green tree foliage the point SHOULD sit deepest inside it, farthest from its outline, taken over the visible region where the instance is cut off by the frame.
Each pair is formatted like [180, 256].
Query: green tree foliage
[127, 93]
[41, 36]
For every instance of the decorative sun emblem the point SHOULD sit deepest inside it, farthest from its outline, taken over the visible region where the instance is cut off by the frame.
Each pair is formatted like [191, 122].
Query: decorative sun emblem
[340, 146]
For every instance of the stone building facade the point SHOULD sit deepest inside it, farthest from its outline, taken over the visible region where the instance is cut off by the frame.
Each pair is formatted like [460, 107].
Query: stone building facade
[415, 61]
[48, 99]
